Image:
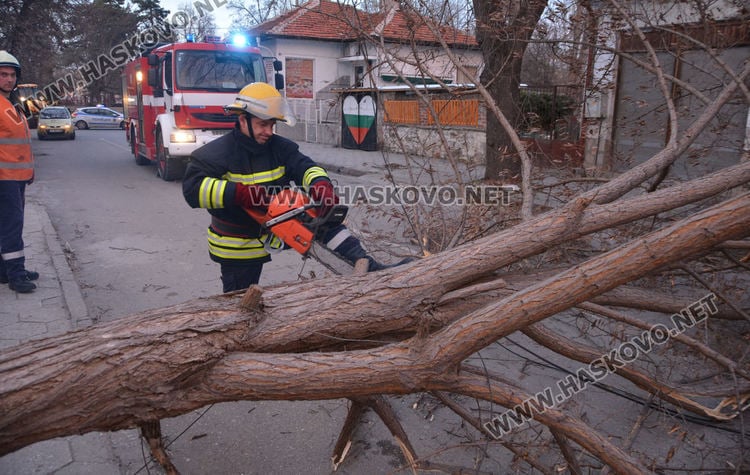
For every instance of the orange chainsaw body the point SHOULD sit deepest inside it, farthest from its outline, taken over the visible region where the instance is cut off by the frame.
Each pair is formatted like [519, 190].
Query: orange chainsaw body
[292, 231]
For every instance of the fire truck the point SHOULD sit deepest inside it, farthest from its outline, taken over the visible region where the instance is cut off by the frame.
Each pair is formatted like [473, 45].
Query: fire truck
[173, 97]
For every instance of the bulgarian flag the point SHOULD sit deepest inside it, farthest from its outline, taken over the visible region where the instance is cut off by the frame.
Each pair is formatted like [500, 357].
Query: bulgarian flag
[359, 116]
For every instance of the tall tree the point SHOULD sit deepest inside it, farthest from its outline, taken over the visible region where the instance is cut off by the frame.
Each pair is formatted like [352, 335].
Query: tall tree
[33, 31]
[150, 12]
[503, 30]
[89, 44]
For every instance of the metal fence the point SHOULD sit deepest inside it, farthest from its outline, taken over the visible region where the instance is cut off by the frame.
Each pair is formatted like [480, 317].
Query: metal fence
[318, 121]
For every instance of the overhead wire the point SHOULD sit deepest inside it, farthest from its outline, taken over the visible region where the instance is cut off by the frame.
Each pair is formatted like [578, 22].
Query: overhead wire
[692, 418]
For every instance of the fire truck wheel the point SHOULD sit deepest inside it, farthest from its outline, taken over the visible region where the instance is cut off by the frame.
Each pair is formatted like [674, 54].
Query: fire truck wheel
[167, 167]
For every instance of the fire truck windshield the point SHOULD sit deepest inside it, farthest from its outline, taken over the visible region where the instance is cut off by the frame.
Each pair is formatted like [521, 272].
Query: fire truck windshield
[220, 71]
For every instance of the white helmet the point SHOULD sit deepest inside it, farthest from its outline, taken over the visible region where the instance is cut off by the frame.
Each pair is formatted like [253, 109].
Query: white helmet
[7, 59]
[263, 101]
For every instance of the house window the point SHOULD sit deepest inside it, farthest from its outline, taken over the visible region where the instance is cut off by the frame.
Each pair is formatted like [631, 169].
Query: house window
[299, 78]
[359, 72]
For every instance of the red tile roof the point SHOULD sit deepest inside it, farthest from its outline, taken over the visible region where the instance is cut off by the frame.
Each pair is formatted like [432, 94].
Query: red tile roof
[328, 20]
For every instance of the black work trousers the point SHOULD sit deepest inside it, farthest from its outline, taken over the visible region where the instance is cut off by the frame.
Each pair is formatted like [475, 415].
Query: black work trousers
[12, 259]
[240, 276]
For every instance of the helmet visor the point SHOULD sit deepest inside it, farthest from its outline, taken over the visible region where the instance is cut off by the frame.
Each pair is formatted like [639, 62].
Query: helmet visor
[267, 108]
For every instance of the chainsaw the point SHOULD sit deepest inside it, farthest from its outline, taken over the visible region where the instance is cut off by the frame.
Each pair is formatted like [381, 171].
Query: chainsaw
[291, 217]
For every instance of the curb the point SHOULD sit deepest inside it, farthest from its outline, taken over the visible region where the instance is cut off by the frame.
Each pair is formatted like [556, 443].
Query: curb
[71, 292]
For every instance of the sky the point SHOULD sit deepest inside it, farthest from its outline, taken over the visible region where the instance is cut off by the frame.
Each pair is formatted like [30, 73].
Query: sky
[222, 14]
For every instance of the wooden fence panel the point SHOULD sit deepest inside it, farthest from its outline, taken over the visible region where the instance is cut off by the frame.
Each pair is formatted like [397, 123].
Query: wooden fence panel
[401, 112]
[455, 112]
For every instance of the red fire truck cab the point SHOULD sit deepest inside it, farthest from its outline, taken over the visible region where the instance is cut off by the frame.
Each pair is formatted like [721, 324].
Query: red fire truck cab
[174, 96]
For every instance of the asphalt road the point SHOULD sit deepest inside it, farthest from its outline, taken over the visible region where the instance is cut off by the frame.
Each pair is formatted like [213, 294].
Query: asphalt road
[135, 245]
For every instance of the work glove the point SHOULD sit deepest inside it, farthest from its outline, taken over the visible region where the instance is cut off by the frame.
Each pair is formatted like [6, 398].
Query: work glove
[322, 193]
[251, 196]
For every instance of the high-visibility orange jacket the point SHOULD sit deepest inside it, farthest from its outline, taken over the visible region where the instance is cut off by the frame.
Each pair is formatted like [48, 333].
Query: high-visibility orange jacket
[16, 160]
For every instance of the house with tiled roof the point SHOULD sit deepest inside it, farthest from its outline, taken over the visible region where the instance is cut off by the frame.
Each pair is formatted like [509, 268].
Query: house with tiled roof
[338, 61]
[327, 45]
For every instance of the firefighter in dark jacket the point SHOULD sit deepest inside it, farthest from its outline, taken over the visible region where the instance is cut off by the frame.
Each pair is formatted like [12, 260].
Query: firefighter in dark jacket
[241, 170]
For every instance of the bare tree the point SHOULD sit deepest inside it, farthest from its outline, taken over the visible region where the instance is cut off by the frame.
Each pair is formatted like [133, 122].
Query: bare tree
[416, 326]
[600, 277]
[252, 13]
[199, 25]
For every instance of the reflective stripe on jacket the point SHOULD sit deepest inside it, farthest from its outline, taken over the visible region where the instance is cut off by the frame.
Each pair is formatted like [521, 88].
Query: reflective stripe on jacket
[16, 159]
[211, 180]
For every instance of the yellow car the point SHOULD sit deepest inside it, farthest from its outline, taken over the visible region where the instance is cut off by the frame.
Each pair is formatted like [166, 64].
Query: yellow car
[55, 122]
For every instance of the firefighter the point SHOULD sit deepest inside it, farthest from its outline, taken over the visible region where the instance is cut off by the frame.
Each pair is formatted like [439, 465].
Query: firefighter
[243, 169]
[16, 171]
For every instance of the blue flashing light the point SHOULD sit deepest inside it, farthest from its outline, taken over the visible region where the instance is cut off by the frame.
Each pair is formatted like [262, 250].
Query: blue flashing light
[190, 38]
[239, 40]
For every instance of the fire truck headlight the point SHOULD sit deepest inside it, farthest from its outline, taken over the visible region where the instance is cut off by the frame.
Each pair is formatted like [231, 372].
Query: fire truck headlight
[182, 136]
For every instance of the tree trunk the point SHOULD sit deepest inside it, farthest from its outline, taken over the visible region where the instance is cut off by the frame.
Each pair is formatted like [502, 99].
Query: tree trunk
[503, 31]
[169, 361]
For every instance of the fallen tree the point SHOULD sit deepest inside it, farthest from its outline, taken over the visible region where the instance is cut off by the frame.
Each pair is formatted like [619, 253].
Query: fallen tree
[415, 328]
[404, 330]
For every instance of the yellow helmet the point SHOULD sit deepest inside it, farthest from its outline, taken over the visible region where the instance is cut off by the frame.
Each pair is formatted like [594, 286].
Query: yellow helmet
[262, 100]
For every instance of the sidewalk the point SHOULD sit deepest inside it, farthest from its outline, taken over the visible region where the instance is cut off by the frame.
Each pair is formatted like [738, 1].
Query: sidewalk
[55, 307]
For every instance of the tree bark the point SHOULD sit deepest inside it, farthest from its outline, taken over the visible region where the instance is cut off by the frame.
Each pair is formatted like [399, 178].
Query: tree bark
[167, 362]
[503, 32]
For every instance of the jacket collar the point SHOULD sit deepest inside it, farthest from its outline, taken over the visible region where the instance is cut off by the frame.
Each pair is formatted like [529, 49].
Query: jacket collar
[249, 143]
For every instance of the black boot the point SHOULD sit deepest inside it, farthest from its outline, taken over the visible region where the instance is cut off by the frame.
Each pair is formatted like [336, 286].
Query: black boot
[30, 275]
[375, 265]
[12, 271]
[352, 251]
[22, 286]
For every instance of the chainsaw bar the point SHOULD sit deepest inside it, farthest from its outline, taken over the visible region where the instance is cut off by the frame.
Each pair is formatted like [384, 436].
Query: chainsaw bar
[329, 259]
[289, 218]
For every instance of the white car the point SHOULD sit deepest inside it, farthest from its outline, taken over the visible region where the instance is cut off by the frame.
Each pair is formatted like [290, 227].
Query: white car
[98, 117]
[55, 122]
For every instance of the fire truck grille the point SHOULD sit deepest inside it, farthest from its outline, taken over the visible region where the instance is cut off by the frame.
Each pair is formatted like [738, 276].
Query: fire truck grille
[215, 117]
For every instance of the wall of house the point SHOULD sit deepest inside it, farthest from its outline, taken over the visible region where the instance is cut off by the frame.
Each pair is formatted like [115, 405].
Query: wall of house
[324, 56]
[401, 59]
[328, 72]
